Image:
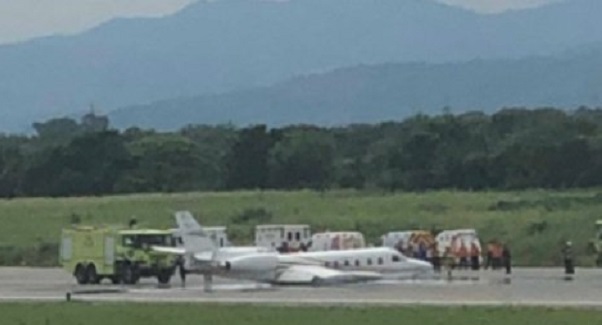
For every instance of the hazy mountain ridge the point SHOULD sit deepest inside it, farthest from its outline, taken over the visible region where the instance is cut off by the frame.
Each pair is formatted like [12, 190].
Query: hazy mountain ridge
[220, 46]
[371, 93]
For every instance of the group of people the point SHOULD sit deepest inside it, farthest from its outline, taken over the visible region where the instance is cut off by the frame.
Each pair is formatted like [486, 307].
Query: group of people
[459, 255]
[498, 256]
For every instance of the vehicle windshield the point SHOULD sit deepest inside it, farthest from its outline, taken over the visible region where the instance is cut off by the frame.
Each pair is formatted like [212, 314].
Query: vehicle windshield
[138, 241]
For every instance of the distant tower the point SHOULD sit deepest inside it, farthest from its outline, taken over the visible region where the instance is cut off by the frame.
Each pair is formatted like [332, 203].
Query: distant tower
[94, 123]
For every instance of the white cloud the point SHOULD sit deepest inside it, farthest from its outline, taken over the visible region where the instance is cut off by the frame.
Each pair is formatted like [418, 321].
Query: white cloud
[24, 19]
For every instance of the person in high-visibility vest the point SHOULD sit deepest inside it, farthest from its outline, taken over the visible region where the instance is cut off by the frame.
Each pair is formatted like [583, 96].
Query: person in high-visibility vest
[497, 256]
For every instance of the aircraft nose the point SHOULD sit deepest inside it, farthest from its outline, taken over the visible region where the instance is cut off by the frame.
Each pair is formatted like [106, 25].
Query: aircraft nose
[424, 266]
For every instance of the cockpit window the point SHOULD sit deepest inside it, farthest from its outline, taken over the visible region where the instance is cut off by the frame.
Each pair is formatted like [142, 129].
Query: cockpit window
[396, 258]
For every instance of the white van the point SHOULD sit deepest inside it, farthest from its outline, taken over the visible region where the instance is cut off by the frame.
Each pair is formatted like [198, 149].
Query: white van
[344, 240]
[397, 239]
[453, 239]
[408, 242]
[284, 238]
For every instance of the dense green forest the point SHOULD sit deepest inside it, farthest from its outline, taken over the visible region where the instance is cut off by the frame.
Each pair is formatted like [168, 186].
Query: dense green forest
[511, 149]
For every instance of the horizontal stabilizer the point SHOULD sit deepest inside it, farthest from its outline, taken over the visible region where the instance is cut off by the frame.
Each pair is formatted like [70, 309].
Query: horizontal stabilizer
[169, 250]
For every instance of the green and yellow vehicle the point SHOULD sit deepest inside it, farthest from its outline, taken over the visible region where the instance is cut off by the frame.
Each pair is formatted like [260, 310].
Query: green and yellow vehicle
[92, 254]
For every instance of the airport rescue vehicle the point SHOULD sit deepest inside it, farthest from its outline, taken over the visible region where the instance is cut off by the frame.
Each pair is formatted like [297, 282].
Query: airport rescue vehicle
[92, 254]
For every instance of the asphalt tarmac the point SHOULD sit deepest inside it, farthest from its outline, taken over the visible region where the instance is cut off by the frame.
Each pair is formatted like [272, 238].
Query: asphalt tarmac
[524, 287]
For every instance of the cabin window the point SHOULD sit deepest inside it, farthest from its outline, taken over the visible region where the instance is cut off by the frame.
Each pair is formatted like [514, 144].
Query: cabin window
[336, 265]
[297, 236]
[326, 264]
[395, 258]
[357, 262]
[290, 236]
[380, 261]
[346, 263]
[369, 261]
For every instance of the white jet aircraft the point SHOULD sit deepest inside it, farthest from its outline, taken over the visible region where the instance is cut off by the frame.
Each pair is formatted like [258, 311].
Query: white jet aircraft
[268, 266]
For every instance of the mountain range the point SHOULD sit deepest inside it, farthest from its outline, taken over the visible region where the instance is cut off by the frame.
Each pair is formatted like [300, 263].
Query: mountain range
[374, 93]
[238, 48]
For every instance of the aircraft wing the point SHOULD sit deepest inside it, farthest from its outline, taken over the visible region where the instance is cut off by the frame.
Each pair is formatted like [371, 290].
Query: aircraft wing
[169, 250]
[200, 257]
[312, 274]
[203, 257]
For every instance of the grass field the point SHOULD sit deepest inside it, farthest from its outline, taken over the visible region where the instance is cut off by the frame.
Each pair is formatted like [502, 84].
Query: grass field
[534, 223]
[139, 314]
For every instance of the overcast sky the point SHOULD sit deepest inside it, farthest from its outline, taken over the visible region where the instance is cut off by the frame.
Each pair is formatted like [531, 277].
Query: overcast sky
[25, 19]
[493, 6]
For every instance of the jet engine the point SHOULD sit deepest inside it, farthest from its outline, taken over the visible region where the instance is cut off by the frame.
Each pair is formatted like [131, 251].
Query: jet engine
[251, 263]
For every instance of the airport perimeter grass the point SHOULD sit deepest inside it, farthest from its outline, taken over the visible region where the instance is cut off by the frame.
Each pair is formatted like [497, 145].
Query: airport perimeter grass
[177, 314]
[534, 223]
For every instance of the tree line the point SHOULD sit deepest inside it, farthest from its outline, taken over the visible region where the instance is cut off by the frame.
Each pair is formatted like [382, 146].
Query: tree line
[512, 149]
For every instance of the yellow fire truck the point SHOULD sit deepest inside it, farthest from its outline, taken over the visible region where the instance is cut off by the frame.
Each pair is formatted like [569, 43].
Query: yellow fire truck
[92, 254]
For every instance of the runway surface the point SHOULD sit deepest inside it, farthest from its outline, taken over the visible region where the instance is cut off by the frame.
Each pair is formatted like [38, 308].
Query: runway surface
[530, 287]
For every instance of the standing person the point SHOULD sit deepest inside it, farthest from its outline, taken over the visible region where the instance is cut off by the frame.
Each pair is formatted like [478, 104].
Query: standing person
[489, 256]
[463, 254]
[496, 261]
[422, 252]
[475, 256]
[429, 252]
[507, 259]
[436, 257]
[448, 259]
[567, 252]
[182, 270]
[411, 250]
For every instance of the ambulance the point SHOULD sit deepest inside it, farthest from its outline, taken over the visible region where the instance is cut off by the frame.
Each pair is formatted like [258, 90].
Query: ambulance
[335, 241]
[284, 238]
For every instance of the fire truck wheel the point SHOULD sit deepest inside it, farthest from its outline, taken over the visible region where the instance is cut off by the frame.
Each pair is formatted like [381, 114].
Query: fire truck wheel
[92, 275]
[81, 276]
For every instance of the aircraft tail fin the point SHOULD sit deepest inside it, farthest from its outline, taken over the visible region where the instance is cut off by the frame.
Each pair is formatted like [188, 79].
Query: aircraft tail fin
[194, 239]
